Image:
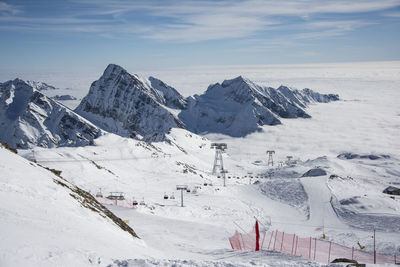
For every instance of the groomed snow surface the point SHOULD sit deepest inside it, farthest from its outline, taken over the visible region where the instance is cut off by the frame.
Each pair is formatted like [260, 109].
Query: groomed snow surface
[42, 225]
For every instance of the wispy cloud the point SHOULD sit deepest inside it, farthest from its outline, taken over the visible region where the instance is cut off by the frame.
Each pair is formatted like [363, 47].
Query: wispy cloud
[10, 9]
[193, 21]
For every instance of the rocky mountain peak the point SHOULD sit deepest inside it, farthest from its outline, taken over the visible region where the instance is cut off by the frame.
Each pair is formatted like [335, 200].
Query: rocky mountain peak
[128, 105]
[29, 118]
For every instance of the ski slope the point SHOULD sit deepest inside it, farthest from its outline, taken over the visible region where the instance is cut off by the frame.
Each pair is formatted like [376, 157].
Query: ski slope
[346, 207]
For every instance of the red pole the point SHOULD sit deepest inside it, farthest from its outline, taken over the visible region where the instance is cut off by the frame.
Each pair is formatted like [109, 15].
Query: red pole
[276, 233]
[352, 253]
[315, 247]
[309, 251]
[231, 243]
[329, 253]
[293, 243]
[257, 237]
[283, 235]
[297, 241]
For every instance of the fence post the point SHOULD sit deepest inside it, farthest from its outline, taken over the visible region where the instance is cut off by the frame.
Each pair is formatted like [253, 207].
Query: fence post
[329, 253]
[262, 243]
[352, 253]
[309, 251]
[293, 243]
[283, 235]
[270, 239]
[243, 247]
[231, 243]
[276, 233]
[315, 247]
[297, 241]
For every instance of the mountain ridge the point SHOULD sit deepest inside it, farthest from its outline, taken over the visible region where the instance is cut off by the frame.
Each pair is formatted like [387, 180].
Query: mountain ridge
[146, 109]
[238, 106]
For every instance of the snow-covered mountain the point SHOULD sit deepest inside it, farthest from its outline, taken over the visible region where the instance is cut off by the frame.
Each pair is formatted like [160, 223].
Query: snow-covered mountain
[41, 86]
[127, 105]
[238, 107]
[28, 118]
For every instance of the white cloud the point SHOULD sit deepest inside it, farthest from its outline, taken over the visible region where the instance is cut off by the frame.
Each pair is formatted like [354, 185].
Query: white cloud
[192, 21]
[7, 8]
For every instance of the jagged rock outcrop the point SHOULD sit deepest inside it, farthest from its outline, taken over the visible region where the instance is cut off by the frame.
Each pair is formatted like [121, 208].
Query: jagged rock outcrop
[238, 107]
[29, 118]
[127, 105]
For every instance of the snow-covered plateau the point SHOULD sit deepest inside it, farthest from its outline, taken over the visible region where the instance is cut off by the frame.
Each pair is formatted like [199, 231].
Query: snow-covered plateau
[351, 147]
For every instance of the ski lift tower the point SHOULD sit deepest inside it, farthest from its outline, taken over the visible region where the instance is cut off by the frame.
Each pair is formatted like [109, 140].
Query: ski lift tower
[270, 159]
[181, 187]
[218, 163]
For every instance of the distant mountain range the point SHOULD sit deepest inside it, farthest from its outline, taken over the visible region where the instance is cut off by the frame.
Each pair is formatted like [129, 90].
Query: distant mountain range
[238, 107]
[131, 106]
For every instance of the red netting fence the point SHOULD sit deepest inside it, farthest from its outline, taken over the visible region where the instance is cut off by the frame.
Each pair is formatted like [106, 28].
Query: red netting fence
[305, 247]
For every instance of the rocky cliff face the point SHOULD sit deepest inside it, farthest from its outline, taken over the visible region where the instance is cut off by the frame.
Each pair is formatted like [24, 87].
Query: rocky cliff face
[167, 95]
[127, 105]
[28, 118]
[238, 107]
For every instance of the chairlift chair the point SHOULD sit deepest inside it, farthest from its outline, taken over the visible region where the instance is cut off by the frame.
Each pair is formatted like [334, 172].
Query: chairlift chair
[172, 196]
[165, 196]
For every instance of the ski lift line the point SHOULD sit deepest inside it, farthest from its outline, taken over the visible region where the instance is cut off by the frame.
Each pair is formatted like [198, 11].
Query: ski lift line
[43, 160]
[90, 160]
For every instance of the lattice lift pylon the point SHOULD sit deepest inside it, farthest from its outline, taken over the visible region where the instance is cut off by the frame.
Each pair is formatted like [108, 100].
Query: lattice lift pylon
[218, 163]
[270, 159]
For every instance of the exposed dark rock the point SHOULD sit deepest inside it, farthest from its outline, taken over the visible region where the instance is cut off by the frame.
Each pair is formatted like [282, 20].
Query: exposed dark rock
[314, 172]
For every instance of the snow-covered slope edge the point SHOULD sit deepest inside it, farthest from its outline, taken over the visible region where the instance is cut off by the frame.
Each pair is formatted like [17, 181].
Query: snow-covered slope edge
[238, 107]
[127, 105]
[47, 221]
[29, 118]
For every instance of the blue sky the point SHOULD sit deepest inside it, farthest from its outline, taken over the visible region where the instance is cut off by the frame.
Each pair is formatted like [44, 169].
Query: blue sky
[79, 34]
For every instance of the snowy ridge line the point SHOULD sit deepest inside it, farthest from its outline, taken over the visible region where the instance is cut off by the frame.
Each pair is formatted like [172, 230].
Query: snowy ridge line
[305, 247]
